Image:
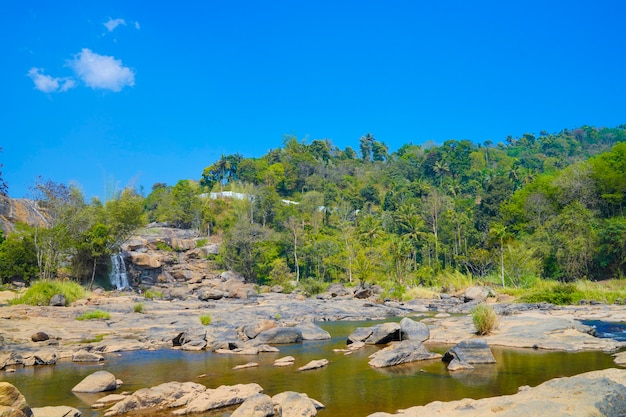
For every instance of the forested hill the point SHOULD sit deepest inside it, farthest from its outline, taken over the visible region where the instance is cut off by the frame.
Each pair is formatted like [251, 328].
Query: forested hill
[546, 207]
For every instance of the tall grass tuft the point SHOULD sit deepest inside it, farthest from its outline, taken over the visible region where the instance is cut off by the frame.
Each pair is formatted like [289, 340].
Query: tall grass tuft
[94, 315]
[484, 318]
[205, 319]
[40, 292]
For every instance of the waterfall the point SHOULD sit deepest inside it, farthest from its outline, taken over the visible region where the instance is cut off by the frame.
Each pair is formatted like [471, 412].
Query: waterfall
[118, 276]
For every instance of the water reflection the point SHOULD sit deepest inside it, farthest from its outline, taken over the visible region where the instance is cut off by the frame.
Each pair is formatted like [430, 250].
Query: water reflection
[348, 386]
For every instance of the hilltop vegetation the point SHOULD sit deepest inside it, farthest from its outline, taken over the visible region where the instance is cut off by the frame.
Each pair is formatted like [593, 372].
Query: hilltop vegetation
[548, 207]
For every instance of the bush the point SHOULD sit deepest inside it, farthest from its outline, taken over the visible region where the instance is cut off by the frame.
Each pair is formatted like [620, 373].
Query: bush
[484, 318]
[139, 308]
[205, 319]
[41, 292]
[553, 293]
[152, 294]
[94, 315]
[310, 286]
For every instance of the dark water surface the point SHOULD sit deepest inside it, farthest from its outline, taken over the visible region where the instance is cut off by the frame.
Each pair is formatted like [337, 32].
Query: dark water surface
[348, 386]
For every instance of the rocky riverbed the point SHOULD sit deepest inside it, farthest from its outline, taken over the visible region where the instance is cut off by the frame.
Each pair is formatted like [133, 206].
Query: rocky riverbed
[243, 321]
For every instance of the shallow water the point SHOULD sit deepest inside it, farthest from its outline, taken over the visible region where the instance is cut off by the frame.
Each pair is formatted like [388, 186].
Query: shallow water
[348, 386]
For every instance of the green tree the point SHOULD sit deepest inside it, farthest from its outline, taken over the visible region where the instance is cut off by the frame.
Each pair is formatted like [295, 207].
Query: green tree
[244, 248]
[18, 256]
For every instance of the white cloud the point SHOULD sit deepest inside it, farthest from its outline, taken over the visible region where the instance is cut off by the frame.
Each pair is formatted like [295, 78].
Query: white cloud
[137, 26]
[111, 24]
[49, 84]
[100, 71]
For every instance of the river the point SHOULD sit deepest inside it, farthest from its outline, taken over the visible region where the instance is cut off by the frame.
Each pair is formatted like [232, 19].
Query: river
[348, 386]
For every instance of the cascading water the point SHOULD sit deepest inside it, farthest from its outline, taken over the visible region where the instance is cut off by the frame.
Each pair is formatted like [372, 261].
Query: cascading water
[118, 276]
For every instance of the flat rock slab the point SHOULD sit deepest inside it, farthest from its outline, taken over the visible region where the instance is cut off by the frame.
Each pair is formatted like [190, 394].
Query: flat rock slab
[60, 411]
[598, 393]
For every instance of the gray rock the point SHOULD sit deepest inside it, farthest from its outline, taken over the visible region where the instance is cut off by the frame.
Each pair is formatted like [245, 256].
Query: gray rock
[457, 365]
[193, 339]
[470, 351]
[477, 294]
[338, 290]
[280, 335]
[413, 330]
[99, 381]
[211, 399]
[10, 359]
[401, 352]
[310, 331]
[294, 404]
[86, 356]
[360, 334]
[166, 394]
[384, 333]
[39, 337]
[210, 294]
[58, 300]
[12, 400]
[59, 411]
[259, 405]
[315, 364]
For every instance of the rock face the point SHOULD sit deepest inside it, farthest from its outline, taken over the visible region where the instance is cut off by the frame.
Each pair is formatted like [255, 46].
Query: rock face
[401, 352]
[12, 402]
[97, 382]
[20, 210]
[598, 393]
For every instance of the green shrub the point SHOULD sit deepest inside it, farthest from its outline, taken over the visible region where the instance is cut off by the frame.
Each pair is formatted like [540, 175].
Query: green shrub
[553, 293]
[205, 319]
[201, 243]
[139, 308]
[310, 286]
[152, 294]
[42, 291]
[94, 315]
[484, 318]
[164, 247]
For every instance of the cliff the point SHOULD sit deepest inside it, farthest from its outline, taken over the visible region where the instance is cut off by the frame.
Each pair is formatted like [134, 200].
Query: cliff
[19, 210]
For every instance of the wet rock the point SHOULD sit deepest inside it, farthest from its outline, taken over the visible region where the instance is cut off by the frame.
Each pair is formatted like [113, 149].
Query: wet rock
[315, 364]
[360, 334]
[259, 405]
[10, 359]
[470, 351]
[12, 402]
[246, 365]
[58, 300]
[457, 365]
[413, 330]
[280, 335]
[39, 337]
[99, 381]
[401, 352]
[59, 411]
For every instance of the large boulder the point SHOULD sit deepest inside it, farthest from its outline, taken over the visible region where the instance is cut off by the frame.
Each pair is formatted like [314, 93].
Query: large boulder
[99, 381]
[360, 334]
[294, 404]
[414, 330]
[58, 300]
[192, 339]
[310, 331]
[280, 335]
[470, 351]
[259, 405]
[12, 402]
[59, 411]
[39, 337]
[478, 294]
[401, 352]
[43, 357]
[384, 333]
[145, 260]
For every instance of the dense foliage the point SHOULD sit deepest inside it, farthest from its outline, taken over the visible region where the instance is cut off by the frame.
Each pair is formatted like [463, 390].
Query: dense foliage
[531, 208]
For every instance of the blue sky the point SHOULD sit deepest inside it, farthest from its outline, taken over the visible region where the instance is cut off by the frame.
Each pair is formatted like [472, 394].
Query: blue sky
[117, 93]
